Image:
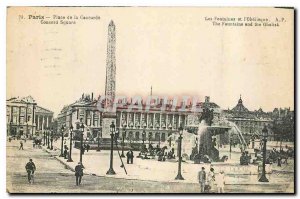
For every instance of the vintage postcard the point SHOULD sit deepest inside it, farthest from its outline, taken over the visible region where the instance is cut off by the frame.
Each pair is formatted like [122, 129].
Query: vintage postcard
[150, 100]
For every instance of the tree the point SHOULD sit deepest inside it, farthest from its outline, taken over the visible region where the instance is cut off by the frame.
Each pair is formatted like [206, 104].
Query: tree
[283, 128]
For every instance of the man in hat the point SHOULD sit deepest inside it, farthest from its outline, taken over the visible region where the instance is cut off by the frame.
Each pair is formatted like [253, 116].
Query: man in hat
[30, 168]
[78, 173]
[202, 179]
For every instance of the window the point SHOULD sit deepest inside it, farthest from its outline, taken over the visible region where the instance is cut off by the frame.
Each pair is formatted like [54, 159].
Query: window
[163, 137]
[137, 135]
[22, 120]
[157, 136]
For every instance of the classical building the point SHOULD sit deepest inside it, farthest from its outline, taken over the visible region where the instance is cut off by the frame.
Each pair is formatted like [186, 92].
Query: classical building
[43, 119]
[135, 122]
[23, 116]
[250, 123]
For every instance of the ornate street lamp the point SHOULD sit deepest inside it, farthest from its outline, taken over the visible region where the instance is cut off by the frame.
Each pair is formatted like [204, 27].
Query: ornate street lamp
[62, 142]
[81, 130]
[179, 176]
[51, 139]
[44, 137]
[98, 139]
[123, 139]
[70, 152]
[112, 131]
[263, 177]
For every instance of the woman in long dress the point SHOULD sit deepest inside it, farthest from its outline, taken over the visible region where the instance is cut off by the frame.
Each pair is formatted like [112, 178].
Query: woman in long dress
[220, 182]
[211, 179]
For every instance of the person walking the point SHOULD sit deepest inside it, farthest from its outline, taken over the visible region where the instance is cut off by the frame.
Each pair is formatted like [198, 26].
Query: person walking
[78, 173]
[129, 156]
[211, 179]
[202, 179]
[30, 169]
[82, 150]
[66, 153]
[87, 147]
[21, 146]
[220, 182]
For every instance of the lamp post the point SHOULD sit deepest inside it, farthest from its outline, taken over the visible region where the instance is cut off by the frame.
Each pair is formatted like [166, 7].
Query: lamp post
[263, 177]
[10, 130]
[62, 142]
[51, 139]
[179, 176]
[157, 127]
[98, 139]
[81, 129]
[123, 138]
[70, 152]
[44, 138]
[48, 138]
[112, 131]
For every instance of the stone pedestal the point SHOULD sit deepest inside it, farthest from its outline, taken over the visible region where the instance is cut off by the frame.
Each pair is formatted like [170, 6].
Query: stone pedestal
[108, 118]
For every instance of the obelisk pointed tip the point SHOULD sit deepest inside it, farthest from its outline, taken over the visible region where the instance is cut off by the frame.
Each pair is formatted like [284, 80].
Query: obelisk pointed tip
[111, 23]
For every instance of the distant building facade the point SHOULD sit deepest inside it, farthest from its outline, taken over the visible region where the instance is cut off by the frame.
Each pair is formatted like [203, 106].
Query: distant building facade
[22, 117]
[250, 123]
[136, 123]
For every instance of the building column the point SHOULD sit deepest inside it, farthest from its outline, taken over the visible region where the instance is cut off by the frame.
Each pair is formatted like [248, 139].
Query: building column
[47, 123]
[147, 119]
[179, 117]
[121, 119]
[154, 121]
[160, 120]
[43, 122]
[173, 120]
[134, 119]
[19, 115]
[141, 121]
[127, 116]
[167, 122]
[38, 123]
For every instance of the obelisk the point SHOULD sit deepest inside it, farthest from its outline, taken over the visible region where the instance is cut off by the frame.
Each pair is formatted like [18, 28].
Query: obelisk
[109, 115]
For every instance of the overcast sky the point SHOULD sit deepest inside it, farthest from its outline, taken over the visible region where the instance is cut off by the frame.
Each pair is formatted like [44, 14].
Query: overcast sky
[173, 49]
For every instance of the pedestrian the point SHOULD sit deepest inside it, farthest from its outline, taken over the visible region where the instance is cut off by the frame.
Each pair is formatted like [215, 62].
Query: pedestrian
[129, 156]
[279, 161]
[21, 145]
[65, 153]
[33, 143]
[30, 169]
[78, 173]
[211, 179]
[87, 147]
[220, 182]
[202, 179]
[82, 150]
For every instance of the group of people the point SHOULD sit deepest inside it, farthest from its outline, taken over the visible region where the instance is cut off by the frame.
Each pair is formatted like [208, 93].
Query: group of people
[31, 168]
[245, 158]
[208, 181]
[280, 157]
